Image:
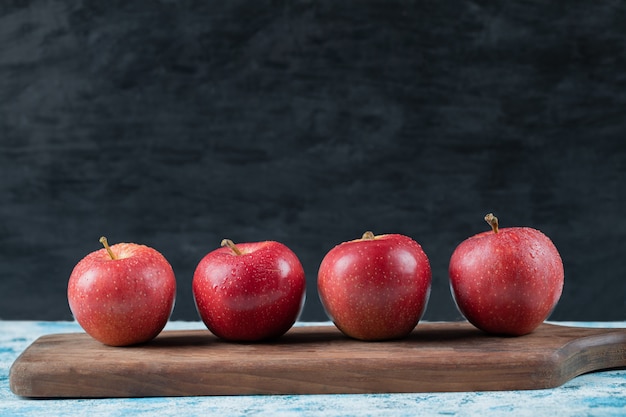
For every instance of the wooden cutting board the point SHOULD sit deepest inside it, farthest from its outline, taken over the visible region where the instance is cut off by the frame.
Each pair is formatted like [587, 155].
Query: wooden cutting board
[315, 360]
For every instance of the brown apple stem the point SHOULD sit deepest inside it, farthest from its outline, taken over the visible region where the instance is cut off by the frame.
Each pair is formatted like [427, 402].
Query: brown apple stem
[231, 245]
[493, 222]
[368, 236]
[104, 242]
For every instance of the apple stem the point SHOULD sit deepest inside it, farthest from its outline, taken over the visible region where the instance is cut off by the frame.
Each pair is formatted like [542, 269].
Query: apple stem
[493, 222]
[231, 245]
[368, 236]
[105, 243]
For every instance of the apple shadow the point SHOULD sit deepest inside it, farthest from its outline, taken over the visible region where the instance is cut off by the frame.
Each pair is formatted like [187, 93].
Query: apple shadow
[447, 334]
[178, 339]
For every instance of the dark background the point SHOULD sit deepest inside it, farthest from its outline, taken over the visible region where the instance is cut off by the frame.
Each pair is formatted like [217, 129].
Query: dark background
[178, 123]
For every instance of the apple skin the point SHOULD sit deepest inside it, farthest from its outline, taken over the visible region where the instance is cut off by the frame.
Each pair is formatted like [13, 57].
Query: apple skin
[376, 287]
[506, 283]
[252, 296]
[123, 301]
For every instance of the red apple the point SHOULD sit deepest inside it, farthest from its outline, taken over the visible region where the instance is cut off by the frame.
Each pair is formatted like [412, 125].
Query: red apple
[123, 294]
[249, 291]
[506, 281]
[376, 287]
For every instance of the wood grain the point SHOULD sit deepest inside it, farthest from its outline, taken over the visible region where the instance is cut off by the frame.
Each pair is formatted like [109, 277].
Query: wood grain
[315, 360]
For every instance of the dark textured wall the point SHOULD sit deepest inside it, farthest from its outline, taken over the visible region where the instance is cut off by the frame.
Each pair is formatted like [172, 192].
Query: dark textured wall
[178, 123]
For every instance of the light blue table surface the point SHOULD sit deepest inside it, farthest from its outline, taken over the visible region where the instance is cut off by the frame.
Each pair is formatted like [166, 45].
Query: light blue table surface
[596, 394]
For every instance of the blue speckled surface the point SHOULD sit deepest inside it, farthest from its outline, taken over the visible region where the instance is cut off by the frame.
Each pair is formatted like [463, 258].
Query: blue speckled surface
[596, 394]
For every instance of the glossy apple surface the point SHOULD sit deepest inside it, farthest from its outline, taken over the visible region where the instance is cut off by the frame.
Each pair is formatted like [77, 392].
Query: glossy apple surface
[508, 280]
[249, 291]
[122, 301]
[376, 287]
